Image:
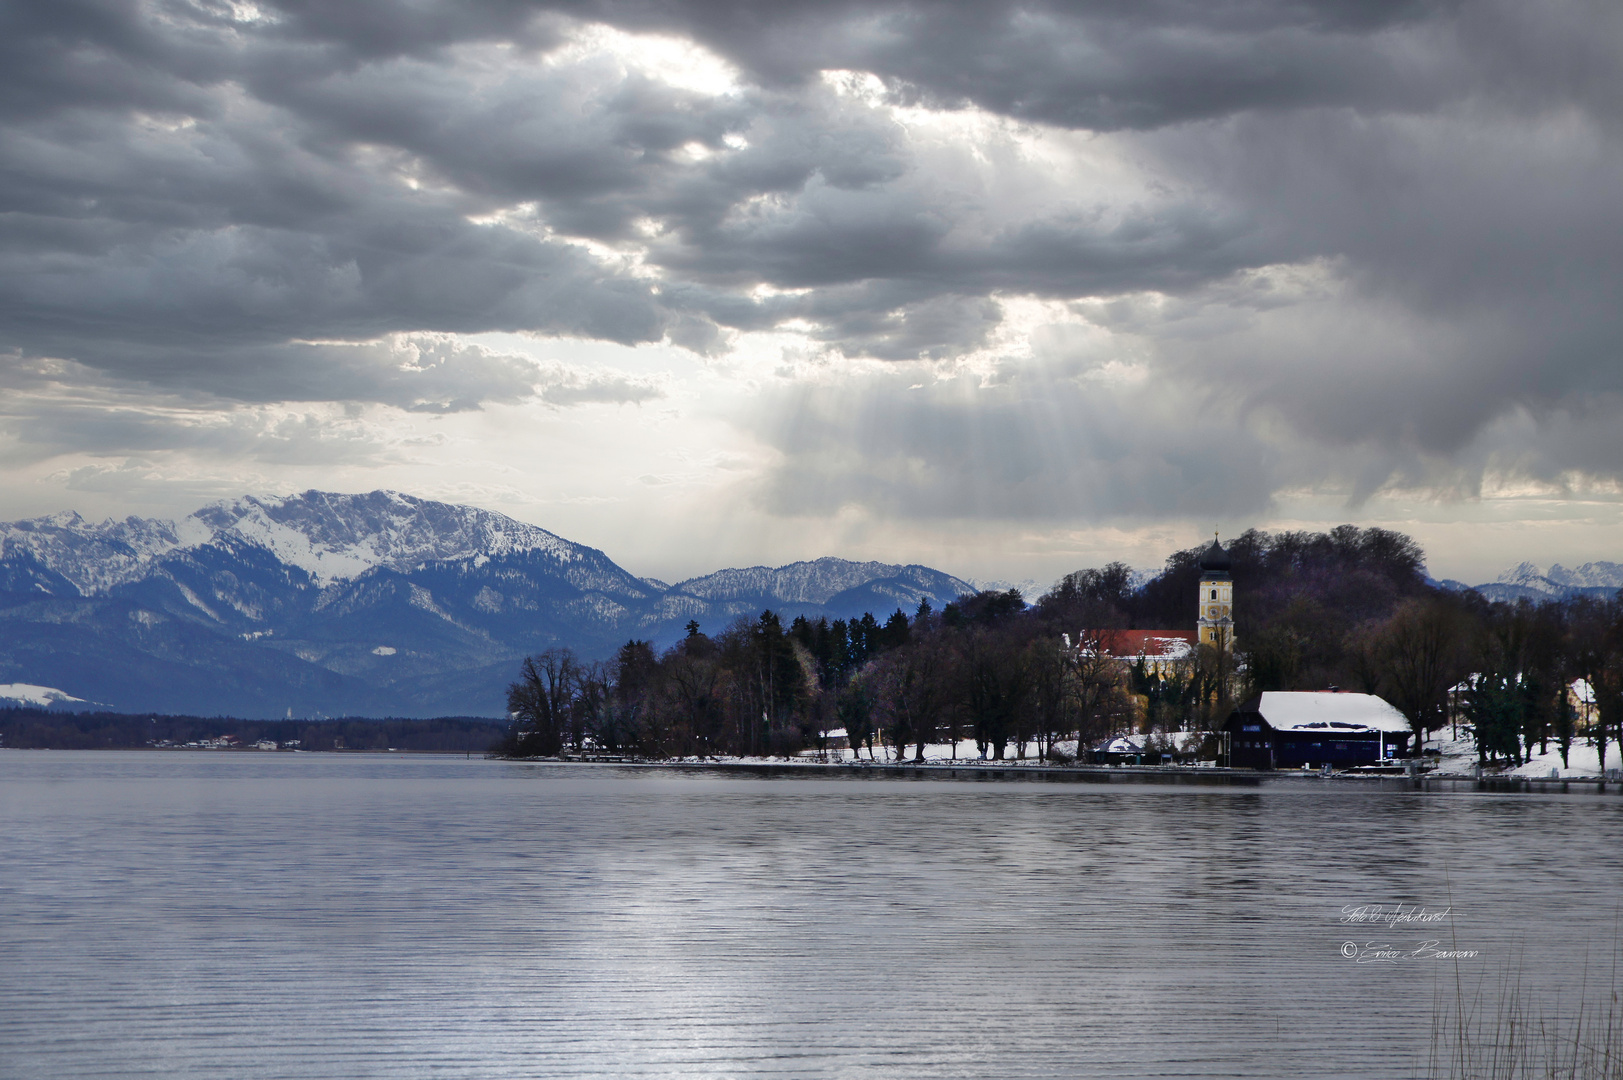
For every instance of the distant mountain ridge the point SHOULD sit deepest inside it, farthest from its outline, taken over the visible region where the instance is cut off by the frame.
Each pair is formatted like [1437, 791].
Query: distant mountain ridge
[1531, 582]
[1591, 575]
[374, 604]
[330, 537]
[825, 585]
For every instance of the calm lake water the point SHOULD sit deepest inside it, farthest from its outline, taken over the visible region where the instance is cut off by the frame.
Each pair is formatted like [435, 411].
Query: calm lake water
[281, 915]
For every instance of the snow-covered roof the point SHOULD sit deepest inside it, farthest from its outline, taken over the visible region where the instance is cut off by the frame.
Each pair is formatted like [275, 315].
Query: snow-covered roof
[1304, 710]
[1136, 644]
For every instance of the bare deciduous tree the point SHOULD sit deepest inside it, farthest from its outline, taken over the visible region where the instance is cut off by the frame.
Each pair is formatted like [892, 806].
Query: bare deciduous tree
[1423, 645]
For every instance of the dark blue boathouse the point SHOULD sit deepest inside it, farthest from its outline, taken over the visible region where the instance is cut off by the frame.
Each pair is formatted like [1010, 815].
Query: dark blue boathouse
[1296, 729]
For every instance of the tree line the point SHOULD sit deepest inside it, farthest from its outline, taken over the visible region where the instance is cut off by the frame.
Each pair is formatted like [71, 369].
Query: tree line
[1350, 607]
[1505, 670]
[984, 667]
[1016, 678]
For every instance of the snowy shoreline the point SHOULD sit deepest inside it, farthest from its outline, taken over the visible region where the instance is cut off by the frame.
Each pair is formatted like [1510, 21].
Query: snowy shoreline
[973, 769]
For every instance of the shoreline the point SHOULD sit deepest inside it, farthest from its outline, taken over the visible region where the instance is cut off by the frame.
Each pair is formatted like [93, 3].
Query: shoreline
[1141, 774]
[964, 770]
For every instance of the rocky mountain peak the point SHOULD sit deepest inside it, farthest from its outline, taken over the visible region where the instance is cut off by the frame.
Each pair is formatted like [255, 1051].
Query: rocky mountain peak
[336, 537]
[1525, 573]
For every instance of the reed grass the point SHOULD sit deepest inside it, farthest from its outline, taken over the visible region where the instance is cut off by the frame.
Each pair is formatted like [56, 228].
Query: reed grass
[1504, 1030]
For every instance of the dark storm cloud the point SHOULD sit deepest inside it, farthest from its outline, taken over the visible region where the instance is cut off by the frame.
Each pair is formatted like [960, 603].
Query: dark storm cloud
[255, 194]
[1481, 263]
[189, 245]
[192, 192]
[420, 373]
[1100, 66]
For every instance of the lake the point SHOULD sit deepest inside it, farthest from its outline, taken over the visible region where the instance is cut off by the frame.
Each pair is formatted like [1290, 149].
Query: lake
[194, 914]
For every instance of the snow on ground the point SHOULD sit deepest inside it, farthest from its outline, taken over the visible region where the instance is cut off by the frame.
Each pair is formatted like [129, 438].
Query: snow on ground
[1459, 755]
[966, 751]
[1459, 759]
[1583, 760]
[932, 752]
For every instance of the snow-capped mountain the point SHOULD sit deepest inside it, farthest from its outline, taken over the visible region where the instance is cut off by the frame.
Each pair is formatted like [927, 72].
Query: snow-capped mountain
[1530, 581]
[330, 537]
[1522, 574]
[1558, 580]
[379, 604]
[95, 557]
[339, 537]
[1030, 589]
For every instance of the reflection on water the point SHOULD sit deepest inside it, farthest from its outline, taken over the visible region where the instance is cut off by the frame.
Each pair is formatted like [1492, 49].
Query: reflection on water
[277, 915]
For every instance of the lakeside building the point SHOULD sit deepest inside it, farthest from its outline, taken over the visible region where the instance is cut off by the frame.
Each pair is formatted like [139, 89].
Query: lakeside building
[1289, 729]
[1158, 748]
[1163, 653]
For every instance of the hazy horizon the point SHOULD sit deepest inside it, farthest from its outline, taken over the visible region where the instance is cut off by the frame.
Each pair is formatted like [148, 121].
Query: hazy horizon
[1031, 586]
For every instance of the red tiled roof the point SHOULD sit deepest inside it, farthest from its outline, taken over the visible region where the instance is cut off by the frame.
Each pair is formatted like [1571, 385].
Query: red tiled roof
[1131, 644]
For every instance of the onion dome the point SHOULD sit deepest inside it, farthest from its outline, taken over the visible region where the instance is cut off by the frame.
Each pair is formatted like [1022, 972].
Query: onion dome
[1215, 562]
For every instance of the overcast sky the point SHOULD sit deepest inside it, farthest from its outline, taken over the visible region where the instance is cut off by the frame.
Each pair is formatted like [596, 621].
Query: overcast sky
[1008, 289]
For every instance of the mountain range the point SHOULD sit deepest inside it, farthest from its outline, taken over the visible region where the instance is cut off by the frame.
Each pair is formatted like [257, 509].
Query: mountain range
[1528, 581]
[379, 604]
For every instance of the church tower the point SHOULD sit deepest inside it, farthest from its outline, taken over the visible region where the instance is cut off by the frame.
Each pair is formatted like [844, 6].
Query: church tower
[1216, 621]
